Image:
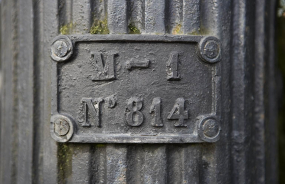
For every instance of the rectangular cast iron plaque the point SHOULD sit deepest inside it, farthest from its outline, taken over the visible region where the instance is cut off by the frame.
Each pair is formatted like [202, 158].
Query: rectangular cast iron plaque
[135, 89]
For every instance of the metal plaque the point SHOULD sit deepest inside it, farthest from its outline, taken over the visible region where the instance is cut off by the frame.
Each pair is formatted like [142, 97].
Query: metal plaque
[135, 89]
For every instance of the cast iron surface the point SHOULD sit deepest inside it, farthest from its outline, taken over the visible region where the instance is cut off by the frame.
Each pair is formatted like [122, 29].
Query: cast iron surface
[136, 88]
[246, 150]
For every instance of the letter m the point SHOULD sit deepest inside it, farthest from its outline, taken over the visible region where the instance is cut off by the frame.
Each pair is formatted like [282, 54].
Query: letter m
[104, 70]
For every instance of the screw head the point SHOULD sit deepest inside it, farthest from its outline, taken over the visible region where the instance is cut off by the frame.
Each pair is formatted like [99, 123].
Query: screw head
[209, 129]
[61, 127]
[210, 49]
[61, 48]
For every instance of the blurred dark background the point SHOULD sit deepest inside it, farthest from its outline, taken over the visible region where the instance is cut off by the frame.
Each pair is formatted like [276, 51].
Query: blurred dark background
[280, 36]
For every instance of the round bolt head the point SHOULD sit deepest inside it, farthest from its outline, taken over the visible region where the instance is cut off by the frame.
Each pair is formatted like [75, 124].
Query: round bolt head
[210, 49]
[209, 129]
[61, 48]
[61, 127]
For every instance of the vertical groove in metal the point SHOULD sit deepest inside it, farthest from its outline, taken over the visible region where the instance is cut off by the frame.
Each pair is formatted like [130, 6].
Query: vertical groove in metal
[135, 164]
[38, 92]
[155, 16]
[136, 14]
[117, 16]
[259, 111]
[81, 157]
[50, 154]
[26, 86]
[191, 156]
[223, 151]
[9, 120]
[271, 111]
[99, 11]
[208, 16]
[65, 9]
[175, 164]
[183, 164]
[62, 12]
[15, 126]
[175, 16]
[68, 11]
[116, 164]
[81, 16]
[64, 164]
[98, 173]
[1, 85]
[238, 88]
[155, 164]
[191, 16]
[209, 164]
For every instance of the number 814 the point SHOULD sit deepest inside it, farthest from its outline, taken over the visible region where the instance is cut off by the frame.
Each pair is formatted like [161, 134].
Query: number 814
[134, 117]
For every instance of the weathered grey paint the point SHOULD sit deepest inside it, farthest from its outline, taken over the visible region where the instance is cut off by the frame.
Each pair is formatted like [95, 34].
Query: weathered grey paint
[246, 151]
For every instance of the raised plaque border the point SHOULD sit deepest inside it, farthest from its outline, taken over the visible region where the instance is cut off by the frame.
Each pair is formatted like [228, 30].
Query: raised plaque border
[68, 123]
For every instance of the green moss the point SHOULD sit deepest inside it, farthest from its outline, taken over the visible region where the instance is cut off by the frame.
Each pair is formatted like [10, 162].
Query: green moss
[100, 27]
[101, 145]
[195, 33]
[133, 29]
[64, 162]
[66, 29]
[177, 29]
[201, 31]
